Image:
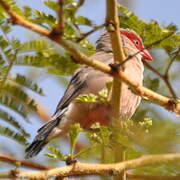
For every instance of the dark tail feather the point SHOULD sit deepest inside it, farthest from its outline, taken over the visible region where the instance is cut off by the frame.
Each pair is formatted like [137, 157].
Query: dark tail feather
[41, 139]
[34, 148]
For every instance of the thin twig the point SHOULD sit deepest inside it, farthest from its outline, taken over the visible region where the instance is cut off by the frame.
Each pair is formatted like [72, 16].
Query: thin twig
[171, 61]
[85, 35]
[12, 160]
[11, 63]
[166, 80]
[165, 76]
[60, 26]
[153, 69]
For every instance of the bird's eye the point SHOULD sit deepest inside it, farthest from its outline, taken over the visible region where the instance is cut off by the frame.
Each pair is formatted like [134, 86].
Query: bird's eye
[136, 42]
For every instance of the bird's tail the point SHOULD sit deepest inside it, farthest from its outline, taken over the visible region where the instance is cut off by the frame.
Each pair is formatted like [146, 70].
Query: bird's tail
[41, 139]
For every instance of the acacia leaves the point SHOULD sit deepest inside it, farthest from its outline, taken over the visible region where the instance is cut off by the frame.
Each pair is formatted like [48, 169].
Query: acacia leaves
[15, 102]
[150, 32]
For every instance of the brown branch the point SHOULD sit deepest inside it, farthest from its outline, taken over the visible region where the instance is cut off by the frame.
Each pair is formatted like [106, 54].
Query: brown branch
[113, 25]
[12, 160]
[164, 77]
[112, 21]
[138, 89]
[171, 61]
[153, 69]
[60, 26]
[166, 80]
[166, 74]
[82, 169]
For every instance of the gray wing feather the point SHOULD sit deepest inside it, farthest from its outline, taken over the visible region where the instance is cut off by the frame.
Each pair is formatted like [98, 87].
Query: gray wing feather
[74, 88]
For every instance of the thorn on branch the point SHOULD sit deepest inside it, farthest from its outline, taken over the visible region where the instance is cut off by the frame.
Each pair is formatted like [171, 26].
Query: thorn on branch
[113, 172]
[55, 34]
[13, 20]
[172, 104]
[114, 68]
[75, 60]
[14, 173]
[71, 161]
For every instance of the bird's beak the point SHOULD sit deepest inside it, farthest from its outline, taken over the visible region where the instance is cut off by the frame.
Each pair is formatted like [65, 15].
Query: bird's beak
[146, 55]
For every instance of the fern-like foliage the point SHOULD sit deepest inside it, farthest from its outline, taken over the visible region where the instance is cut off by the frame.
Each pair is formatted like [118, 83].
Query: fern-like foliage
[151, 32]
[13, 94]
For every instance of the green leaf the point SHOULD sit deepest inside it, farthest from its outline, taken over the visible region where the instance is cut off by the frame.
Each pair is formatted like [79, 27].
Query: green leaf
[83, 21]
[20, 96]
[41, 17]
[11, 120]
[74, 132]
[10, 103]
[105, 134]
[6, 131]
[3, 43]
[25, 82]
[152, 84]
[150, 32]
[27, 11]
[140, 114]
[146, 124]
[100, 98]
[55, 153]
[55, 63]
[35, 45]
[52, 5]
[91, 98]
[99, 134]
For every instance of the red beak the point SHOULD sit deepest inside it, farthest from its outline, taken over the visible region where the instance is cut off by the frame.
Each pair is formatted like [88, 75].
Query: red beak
[146, 55]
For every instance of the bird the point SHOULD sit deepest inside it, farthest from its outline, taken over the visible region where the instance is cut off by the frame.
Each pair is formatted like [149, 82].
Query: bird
[89, 80]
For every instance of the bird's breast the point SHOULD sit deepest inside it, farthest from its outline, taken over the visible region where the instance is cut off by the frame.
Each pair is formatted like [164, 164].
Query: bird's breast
[89, 113]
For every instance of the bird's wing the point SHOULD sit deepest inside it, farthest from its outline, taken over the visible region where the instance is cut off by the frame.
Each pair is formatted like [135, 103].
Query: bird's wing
[80, 80]
[77, 83]
[74, 88]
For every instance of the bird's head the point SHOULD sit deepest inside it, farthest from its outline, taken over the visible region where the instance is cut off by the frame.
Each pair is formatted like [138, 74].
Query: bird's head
[137, 41]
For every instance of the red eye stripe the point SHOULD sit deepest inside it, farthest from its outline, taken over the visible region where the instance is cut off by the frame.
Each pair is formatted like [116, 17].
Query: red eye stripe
[136, 40]
[133, 38]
